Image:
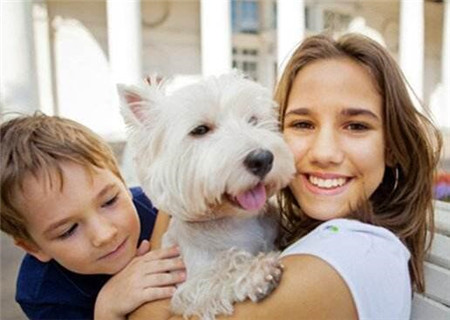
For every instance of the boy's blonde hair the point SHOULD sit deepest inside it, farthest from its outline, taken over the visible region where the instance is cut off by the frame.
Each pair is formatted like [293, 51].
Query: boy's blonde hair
[37, 145]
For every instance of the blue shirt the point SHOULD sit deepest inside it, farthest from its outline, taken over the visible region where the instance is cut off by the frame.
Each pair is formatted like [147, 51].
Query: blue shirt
[50, 291]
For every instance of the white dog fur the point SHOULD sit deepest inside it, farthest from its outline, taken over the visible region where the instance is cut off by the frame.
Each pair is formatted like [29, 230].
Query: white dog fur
[210, 154]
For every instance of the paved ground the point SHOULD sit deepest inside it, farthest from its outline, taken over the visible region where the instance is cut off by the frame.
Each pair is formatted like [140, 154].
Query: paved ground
[10, 257]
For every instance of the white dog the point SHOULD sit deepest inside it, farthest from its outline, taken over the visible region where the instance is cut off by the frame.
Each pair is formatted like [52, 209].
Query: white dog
[210, 154]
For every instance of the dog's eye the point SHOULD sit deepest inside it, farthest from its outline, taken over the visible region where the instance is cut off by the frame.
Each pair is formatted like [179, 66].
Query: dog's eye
[200, 130]
[253, 120]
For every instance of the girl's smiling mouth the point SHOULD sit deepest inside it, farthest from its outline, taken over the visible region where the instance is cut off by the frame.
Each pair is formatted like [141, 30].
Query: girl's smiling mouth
[325, 184]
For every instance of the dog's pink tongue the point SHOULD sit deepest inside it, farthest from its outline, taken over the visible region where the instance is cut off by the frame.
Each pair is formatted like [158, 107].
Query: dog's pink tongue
[253, 199]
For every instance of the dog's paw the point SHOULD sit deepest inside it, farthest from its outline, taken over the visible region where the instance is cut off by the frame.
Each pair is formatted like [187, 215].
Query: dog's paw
[262, 277]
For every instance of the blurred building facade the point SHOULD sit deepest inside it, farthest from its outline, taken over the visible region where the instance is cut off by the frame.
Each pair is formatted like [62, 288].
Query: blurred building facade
[65, 56]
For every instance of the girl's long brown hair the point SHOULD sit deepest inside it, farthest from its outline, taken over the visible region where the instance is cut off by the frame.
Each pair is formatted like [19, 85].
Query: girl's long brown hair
[412, 145]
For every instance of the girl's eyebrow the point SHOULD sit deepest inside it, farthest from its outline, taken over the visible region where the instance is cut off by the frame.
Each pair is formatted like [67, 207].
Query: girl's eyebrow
[358, 112]
[345, 112]
[299, 111]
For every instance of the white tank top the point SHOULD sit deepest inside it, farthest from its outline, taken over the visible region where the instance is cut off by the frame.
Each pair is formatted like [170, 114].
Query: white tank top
[371, 260]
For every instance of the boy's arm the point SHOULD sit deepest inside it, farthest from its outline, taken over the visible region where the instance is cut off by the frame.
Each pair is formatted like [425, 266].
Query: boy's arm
[104, 304]
[55, 311]
[149, 277]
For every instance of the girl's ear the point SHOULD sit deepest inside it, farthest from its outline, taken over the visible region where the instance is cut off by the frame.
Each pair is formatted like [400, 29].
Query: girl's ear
[390, 159]
[32, 249]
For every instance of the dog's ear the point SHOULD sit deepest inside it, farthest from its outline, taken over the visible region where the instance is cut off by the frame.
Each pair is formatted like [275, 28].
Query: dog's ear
[135, 103]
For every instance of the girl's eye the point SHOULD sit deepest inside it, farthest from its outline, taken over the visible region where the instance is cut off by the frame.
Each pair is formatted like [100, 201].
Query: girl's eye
[69, 232]
[357, 127]
[302, 125]
[111, 201]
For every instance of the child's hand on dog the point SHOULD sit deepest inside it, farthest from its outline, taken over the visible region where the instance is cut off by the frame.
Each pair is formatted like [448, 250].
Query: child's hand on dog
[151, 275]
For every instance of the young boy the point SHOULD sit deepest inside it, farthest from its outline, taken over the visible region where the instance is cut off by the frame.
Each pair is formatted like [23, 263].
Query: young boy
[64, 201]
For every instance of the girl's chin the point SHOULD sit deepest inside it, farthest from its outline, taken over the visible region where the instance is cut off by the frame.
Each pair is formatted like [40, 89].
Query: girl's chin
[323, 210]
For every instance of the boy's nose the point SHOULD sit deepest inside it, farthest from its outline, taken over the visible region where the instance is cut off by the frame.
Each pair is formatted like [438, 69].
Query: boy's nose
[103, 232]
[326, 148]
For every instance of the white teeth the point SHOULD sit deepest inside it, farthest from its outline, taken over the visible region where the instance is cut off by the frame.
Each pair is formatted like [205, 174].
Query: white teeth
[327, 183]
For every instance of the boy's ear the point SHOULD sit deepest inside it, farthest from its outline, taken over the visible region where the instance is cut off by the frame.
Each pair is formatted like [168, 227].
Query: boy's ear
[32, 249]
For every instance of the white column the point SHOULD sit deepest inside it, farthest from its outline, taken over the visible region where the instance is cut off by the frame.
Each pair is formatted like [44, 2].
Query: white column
[215, 36]
[19, 86]
[125, 40]
[125, 58]
[44, 61]
[445, 101]
[290, 29]
[266, 69]
[411, 43]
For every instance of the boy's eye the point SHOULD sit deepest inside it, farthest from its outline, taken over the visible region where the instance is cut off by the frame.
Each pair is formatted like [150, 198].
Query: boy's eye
[69, 232]
[111, 201]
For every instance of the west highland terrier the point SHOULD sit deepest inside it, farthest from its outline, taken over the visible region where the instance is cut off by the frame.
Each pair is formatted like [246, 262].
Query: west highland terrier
[211, 154]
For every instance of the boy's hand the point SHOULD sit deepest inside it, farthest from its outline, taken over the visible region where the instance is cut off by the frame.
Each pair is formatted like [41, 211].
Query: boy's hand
[149, 276]
[143, 248]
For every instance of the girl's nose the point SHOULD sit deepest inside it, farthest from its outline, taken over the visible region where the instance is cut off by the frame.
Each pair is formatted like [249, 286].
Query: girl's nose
[326, 148]
[102, 232]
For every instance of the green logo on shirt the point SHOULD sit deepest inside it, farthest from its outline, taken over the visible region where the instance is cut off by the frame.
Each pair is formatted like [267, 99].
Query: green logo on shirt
[332, 229]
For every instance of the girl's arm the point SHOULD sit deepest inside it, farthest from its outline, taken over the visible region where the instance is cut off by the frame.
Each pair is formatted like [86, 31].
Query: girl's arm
[309, 289]
[156, 309]
[161, 224]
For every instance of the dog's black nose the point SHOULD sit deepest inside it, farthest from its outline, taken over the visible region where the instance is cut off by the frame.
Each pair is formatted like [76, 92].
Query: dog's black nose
[259, 162]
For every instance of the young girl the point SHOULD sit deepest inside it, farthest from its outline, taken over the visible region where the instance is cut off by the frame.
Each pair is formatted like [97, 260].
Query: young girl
[356, 214]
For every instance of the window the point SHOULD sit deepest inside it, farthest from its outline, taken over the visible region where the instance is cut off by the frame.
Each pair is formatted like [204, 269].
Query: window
[245, 16]
[246, 60]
